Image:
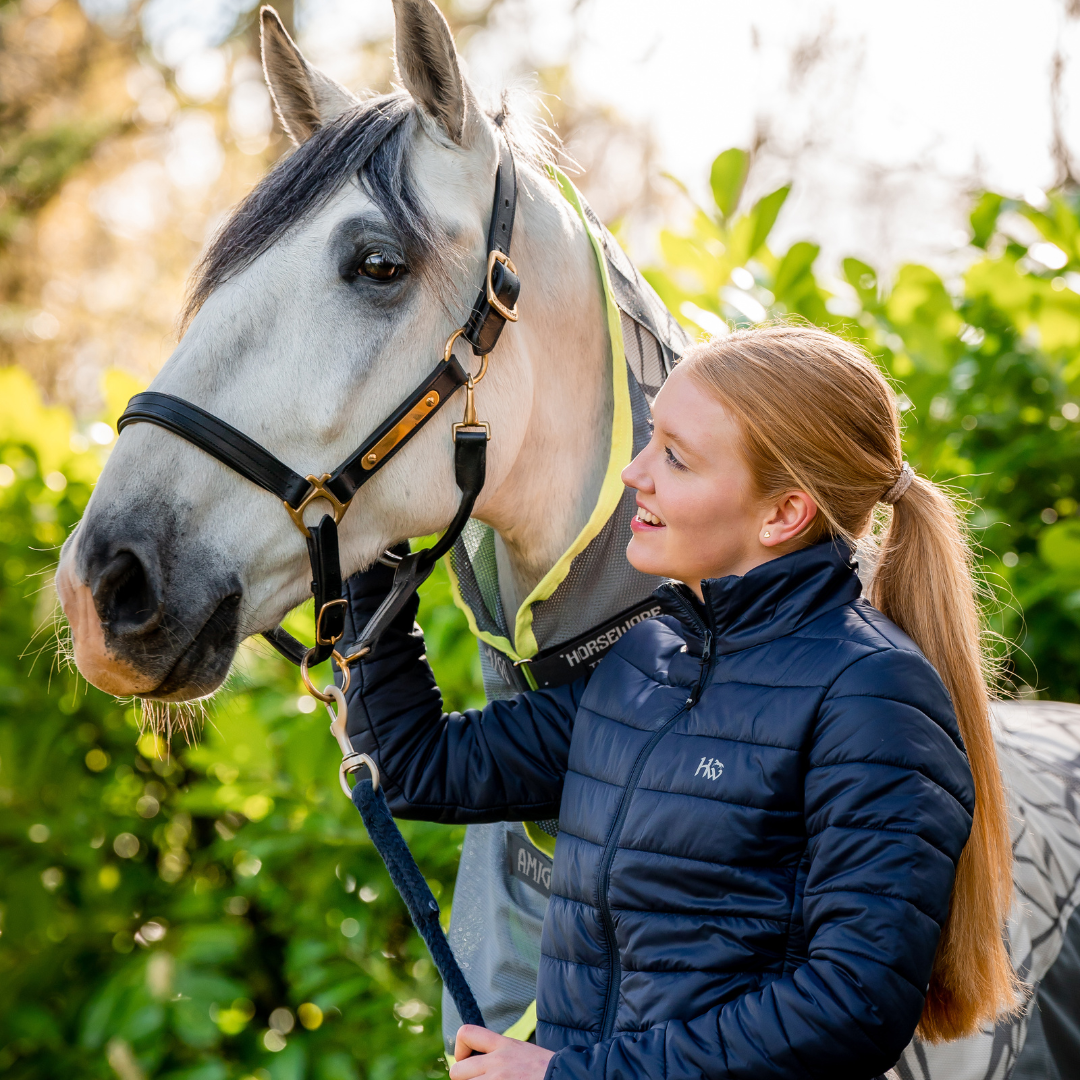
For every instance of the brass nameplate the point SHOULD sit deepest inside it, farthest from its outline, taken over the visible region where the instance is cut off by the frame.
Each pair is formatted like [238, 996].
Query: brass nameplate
[400, 430]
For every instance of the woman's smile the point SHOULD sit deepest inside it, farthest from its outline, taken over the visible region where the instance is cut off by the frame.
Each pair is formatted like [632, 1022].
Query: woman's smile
[645, 521]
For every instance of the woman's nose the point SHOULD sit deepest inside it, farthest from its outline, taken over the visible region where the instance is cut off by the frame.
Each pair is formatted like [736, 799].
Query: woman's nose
[636, 476]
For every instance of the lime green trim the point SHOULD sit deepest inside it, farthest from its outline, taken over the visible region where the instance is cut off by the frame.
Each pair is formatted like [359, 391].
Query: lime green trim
[525, 1026]
[622, 443]
[545, 842]
[524, 644]
[521, 1029]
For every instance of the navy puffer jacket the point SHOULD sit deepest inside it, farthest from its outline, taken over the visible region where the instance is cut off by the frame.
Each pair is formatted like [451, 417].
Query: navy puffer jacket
[762, 800]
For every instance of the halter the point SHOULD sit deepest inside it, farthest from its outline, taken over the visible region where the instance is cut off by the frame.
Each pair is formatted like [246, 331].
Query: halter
[495, 305]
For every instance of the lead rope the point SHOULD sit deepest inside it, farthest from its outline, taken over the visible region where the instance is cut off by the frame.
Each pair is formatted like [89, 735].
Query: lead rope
[470, 441]
[390, 844]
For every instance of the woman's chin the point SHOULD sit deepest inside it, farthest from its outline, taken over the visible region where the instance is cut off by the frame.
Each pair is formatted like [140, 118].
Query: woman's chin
[644, 556]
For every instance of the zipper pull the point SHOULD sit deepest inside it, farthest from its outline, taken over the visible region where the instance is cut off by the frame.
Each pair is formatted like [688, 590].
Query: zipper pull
[706, 654]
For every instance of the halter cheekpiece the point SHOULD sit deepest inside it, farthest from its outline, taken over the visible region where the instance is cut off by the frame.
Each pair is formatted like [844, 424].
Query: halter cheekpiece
[900, 485]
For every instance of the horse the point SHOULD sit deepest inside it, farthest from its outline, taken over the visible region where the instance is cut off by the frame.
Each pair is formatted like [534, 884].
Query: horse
[318, 307]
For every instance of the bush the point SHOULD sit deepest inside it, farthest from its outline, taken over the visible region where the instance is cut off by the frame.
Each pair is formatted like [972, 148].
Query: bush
[214, 911]
[988, 371]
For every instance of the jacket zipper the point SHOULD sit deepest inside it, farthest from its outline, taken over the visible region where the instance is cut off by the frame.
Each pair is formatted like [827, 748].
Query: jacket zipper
[611, 999]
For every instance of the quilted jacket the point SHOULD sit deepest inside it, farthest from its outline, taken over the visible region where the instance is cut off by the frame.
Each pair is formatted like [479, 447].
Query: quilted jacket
[761, 801]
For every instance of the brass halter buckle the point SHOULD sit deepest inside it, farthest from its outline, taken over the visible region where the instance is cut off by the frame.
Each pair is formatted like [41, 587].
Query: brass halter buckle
[319, 618]
[319, 490]
[469, 419]
[509, 314]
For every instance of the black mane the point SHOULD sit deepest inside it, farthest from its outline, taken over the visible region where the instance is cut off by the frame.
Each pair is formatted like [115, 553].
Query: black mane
[370, 141]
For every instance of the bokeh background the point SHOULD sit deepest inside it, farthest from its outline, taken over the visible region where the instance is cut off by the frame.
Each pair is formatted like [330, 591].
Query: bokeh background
[211, 909]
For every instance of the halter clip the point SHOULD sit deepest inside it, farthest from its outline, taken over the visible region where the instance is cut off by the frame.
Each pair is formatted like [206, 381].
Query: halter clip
[343, 666]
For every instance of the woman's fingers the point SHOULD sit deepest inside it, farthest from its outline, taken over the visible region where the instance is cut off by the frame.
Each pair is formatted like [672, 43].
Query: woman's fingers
[470, 1037]
[468, 1068]
[480, 1052]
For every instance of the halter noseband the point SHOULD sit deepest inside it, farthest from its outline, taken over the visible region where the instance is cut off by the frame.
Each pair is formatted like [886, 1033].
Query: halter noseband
[495, 305]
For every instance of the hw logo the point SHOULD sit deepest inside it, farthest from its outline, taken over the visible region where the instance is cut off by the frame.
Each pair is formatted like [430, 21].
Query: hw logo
[710, 768]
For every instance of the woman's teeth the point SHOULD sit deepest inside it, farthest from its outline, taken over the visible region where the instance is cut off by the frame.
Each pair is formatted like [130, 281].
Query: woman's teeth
[649, 519]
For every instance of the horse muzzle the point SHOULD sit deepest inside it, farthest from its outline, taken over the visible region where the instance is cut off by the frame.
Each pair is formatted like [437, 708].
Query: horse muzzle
[117, 596]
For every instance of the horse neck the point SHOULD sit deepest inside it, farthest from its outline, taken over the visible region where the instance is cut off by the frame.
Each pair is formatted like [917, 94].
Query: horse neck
[562, 391]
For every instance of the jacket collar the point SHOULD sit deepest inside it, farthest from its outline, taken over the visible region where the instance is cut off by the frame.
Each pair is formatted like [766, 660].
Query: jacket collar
[771, 601]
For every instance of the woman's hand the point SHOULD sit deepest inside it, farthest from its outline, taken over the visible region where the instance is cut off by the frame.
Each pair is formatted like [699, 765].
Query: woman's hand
[500, 1058]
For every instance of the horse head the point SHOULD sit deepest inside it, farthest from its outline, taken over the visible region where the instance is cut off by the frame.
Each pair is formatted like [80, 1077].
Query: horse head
[318, 307]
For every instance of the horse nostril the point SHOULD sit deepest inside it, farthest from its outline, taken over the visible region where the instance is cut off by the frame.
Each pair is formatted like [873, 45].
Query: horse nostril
[125, 599]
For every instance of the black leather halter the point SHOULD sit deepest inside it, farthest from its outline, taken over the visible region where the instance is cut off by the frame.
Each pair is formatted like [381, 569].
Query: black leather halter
[495, 305]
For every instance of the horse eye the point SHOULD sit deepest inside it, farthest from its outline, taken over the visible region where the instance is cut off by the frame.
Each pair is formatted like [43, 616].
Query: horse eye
[379, 266]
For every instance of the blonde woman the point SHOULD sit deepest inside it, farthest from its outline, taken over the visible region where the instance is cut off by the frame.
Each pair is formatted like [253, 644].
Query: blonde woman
[783, 845]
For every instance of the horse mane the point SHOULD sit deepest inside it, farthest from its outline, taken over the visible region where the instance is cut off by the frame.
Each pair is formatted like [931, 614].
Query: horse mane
[370, 141]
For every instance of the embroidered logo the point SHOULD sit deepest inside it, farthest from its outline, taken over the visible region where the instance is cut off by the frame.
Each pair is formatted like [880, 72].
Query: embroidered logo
[710, 768]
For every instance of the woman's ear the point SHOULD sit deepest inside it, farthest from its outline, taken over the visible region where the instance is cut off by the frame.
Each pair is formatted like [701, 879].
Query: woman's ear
[787, 518]
[304, 97]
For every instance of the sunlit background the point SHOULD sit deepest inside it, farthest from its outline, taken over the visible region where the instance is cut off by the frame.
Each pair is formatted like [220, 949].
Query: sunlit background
[884, 119]
[904, 175]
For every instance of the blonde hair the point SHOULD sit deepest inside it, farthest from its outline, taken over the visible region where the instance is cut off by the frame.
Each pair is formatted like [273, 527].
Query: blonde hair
[817, 414]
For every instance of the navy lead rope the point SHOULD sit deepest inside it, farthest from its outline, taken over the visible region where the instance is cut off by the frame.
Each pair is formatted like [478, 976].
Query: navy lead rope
[395, 853]
[410, 883]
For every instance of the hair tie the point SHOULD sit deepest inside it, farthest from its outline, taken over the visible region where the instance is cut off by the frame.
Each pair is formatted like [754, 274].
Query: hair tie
[902, 483]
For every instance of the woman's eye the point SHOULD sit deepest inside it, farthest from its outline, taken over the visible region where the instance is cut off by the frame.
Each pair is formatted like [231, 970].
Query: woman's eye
[673, 461]
[379, 266]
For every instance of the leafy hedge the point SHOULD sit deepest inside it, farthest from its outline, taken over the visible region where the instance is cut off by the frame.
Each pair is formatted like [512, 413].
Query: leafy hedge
[217, 912]
[988, 366]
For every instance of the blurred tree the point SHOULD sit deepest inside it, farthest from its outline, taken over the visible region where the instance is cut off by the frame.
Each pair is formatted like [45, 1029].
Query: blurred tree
[215, 910]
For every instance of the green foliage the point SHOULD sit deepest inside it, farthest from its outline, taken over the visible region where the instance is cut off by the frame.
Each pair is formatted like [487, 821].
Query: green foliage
[156, 908]
[727, 178]
[988, 368]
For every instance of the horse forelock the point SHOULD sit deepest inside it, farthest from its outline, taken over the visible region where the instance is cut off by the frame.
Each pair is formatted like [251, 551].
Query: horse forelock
[370, 142]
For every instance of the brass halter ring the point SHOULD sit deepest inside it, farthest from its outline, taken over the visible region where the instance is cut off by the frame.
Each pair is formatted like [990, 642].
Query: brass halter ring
[448, 351]
[343, 666]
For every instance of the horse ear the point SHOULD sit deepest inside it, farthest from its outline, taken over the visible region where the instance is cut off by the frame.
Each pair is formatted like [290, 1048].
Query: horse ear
[427, 63]
[304, 97]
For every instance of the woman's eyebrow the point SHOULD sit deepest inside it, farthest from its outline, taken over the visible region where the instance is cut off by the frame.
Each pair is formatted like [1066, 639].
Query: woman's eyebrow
[681, 443]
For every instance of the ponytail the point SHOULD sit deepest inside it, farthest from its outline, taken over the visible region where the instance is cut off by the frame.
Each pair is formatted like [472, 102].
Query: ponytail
[817, 414]
[923, 582]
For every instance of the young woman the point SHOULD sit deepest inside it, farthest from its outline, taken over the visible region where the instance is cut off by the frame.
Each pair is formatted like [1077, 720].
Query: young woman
[783, 843]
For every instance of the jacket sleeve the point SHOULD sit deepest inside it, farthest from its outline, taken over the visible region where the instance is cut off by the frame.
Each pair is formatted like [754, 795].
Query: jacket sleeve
[888, 804]
[505, 762]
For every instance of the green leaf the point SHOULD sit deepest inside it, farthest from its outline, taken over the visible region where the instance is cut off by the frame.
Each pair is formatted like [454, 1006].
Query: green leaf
[795, 266]
[863, 278]
[727, 178]
[984, 217]
[764, 216]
